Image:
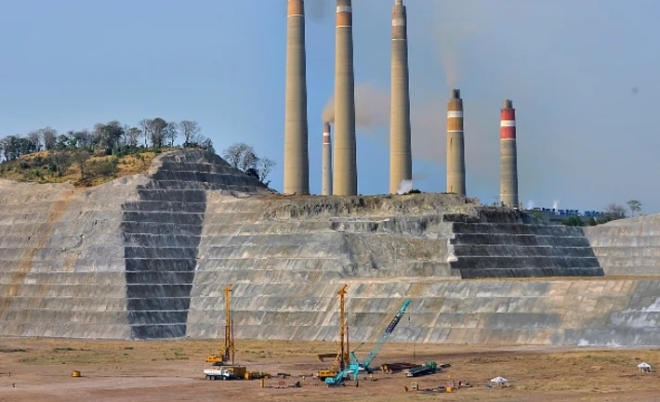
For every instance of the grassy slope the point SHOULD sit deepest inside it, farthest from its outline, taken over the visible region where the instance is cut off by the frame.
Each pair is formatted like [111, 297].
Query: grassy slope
[34, 168]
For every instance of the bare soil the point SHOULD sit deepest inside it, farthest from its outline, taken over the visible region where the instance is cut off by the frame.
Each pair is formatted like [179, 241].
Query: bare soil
[145, 371]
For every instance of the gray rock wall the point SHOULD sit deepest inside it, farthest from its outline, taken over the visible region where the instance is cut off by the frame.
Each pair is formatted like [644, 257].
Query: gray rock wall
[162, 231]
[62, 260]
[149, 256]
[510, 244]
[587, 312]
[628, 246]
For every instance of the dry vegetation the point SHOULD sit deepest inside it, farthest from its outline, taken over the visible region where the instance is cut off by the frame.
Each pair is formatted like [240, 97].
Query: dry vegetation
[61, 167]
[172, 370]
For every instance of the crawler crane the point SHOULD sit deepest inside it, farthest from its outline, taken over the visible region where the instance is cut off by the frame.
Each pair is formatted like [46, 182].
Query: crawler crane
[356, 366]
[227, 353]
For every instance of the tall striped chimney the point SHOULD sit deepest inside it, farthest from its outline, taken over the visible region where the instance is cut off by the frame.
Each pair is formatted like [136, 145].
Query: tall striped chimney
[508, 156]
[296, 157]
[400, 140]
[344, 154]
[455, 145]
[326, 162]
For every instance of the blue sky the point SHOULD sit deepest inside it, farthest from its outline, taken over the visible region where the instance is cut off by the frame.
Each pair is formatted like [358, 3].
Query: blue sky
[583, 76]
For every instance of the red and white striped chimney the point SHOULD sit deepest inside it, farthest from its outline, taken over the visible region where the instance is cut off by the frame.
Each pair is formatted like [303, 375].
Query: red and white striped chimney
[508, 156]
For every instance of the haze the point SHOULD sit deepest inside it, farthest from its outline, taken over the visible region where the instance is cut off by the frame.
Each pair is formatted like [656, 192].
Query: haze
[582, 76]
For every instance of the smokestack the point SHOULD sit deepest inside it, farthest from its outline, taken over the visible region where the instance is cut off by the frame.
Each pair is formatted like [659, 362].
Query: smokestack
[455, 145]
[400, 140]
[326, 168]
[296, 157]
[508, 156]
[345, 163]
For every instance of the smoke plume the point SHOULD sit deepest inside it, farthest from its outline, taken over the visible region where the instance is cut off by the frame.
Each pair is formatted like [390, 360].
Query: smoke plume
[318, 10]
[405, 186]
[372, 116]
[454, 27]
[371, 108]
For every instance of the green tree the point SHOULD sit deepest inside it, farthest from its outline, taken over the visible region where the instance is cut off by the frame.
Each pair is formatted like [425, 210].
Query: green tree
[635, 207]
[573, 221]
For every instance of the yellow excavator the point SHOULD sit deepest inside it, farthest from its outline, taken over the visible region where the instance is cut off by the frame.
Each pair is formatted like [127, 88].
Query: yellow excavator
[341, 357]
[226, 355]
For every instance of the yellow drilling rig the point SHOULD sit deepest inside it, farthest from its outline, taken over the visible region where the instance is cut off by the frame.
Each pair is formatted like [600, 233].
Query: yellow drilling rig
[341, 357]
[226, 355]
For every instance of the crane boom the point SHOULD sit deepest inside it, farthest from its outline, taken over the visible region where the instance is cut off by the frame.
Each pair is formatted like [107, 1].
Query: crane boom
[356, 366]
[388, 331]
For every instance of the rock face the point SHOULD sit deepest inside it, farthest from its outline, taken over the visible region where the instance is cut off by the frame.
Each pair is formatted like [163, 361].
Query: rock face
[509, 244]
[628, 246]
[162, 231]
[585, 312]
[149, 256]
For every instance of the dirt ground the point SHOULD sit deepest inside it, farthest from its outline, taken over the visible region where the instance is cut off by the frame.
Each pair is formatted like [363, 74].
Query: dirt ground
[40, 370]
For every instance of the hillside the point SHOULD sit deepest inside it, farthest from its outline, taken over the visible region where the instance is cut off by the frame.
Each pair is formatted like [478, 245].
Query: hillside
[78, 168]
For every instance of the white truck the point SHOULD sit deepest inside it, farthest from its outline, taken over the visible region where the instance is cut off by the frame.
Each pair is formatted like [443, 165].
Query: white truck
[219, 374]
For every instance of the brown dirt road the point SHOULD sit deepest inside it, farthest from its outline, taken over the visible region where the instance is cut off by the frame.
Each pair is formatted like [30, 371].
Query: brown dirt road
[172, 371]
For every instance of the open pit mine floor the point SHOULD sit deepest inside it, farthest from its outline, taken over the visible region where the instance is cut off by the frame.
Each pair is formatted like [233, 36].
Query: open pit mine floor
[145, 371]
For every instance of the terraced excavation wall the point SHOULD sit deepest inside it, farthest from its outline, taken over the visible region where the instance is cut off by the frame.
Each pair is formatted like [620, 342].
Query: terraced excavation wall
[505, 243]
[115, 261]
[62, 260]
[149, 256]
[162, 230]
[628, 246]
[585, 312]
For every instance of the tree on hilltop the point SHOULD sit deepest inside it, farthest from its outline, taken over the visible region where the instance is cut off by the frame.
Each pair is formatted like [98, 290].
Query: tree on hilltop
[635, 207]
[190, 131]
[612, 212]
[243, 157]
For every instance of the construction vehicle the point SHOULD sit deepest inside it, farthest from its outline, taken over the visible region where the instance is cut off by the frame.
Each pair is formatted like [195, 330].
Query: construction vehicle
[341, 357]
[226, 355]
[391, 368]
[427, 368]
[219, 374]
[355, 366]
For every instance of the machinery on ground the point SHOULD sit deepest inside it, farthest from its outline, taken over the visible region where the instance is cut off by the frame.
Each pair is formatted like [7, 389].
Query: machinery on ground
[341, 357]
[219, 374]
[226, 355]
[427, 368]
[355, 366]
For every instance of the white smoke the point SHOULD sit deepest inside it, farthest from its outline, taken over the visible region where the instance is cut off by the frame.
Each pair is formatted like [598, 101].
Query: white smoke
[555, 204]
[405, 186]
[530, 204]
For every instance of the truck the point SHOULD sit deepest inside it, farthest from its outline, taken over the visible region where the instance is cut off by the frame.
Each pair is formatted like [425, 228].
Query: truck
[219, 374]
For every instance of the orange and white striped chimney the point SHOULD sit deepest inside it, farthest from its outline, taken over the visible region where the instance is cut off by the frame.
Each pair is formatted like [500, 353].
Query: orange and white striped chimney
[345, 181]
[455, 144]
[326, 162]
[508, 156]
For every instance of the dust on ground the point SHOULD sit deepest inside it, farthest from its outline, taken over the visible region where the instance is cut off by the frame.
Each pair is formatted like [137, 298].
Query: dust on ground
[145, 371]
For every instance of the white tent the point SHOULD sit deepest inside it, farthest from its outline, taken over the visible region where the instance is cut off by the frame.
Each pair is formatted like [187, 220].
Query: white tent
[499, 381]
[644, 367]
